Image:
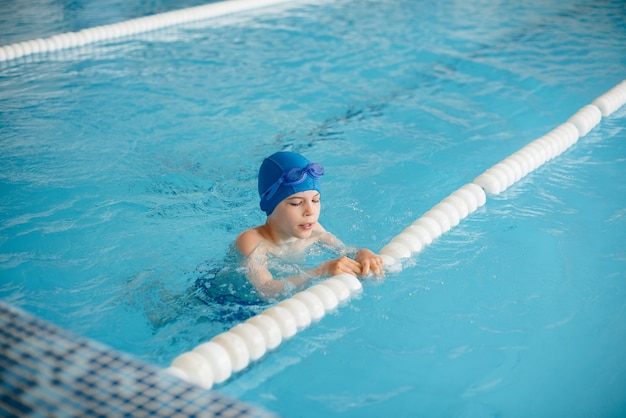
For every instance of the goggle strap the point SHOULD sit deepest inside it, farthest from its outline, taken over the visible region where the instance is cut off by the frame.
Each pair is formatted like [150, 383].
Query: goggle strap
[272, 190]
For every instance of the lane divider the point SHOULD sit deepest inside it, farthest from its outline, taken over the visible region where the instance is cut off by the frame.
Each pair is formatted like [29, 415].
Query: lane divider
[230, 352]
[440, 219]
[129, 27]
[499, 177]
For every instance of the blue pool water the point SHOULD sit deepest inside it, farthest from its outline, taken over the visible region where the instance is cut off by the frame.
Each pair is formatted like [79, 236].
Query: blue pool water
[128, 167]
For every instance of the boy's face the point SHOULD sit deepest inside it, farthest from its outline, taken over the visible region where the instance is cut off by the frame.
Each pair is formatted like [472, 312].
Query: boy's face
[297, 215]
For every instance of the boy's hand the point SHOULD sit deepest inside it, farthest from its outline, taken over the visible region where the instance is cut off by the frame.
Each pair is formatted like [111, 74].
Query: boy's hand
[342, 265]
[370, 263]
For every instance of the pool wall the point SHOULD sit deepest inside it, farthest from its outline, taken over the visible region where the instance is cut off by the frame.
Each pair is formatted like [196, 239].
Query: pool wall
[48, 371]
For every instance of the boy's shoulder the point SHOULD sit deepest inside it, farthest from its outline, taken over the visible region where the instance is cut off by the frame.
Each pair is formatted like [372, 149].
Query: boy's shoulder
[249, 240]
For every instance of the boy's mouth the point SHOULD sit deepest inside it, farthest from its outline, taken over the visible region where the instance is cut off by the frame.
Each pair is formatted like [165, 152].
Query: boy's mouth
[306, 226]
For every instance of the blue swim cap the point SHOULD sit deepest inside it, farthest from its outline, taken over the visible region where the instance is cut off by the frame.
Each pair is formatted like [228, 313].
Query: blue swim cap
[283, 174]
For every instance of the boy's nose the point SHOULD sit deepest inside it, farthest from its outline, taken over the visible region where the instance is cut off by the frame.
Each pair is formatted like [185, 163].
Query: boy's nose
[308, 208]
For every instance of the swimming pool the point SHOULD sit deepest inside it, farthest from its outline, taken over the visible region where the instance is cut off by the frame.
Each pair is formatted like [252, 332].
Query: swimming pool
[129, 165]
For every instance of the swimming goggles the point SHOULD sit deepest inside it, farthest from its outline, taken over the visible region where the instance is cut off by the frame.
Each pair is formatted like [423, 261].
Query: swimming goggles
[294, 176]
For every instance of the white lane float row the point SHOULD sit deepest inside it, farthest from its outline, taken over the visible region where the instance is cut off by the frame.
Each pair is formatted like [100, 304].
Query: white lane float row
[230, 352]
[498, 178]
[129, 27]
[440, 219]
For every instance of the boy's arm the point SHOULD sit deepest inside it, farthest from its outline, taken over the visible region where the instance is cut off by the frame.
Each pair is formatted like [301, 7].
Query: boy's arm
[261, 278]
[249, 245]
[269, 288]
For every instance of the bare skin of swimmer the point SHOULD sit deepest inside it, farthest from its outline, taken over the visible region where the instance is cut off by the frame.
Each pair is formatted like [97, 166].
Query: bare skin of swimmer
[291, 228]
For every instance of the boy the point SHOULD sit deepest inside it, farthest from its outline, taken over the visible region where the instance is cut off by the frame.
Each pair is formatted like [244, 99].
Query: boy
[289, 188]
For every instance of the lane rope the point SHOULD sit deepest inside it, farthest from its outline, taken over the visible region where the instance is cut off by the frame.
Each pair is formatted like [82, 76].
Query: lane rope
[129, 27]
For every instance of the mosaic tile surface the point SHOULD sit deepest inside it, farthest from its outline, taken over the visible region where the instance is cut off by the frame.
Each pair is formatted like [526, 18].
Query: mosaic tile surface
[49, 372]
